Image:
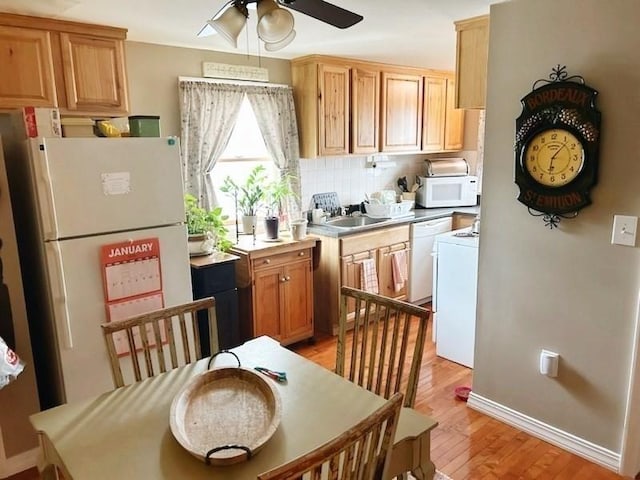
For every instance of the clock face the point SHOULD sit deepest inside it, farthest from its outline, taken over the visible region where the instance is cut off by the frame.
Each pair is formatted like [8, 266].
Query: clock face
[554, 157]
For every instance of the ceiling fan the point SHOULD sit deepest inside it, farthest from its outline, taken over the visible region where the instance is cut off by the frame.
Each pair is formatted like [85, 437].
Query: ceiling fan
[275, 24]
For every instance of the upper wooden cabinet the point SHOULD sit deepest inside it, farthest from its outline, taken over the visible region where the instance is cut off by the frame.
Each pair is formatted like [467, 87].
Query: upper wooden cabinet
[346, 106]
[443, 124]
[401, 123]
[76, 67]
[333, 101]
[337, 108]
[435, 104]
[454, 120]
[27, 68]
[472, 54]
[94, 73]
[365, 110]
[321, 96]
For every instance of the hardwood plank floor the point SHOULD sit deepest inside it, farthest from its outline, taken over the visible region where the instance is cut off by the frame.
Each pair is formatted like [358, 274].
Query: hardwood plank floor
[468, 445]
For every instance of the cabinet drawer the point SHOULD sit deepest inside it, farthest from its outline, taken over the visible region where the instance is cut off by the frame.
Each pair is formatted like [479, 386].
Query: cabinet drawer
[373, 240]
[270, 261]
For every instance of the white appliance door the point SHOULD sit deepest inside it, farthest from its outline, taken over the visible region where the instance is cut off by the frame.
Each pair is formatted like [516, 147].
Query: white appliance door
[88, 186]
[457, 293]
[421, 265]
[78, 303]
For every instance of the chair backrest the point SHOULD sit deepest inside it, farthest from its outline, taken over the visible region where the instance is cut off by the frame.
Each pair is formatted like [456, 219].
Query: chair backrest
[171, 332]
[360, 453]
[387, 335]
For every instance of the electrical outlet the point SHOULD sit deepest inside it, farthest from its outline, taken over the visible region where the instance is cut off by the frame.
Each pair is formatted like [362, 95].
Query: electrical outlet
[624, 230]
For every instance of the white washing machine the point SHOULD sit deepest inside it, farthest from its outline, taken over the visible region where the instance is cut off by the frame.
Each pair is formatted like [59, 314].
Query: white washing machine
[421, 260]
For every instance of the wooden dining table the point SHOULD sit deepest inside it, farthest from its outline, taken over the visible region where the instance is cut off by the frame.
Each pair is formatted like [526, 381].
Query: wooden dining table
[125, 433]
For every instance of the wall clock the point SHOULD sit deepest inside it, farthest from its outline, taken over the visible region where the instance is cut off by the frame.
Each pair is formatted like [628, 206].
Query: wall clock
[557, 145]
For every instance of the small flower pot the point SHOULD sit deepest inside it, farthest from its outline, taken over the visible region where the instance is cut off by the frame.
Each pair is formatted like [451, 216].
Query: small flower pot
[271, 225]
[249, 223]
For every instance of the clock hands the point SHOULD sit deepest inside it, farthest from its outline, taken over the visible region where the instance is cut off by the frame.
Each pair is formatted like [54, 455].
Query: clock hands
[554, 156]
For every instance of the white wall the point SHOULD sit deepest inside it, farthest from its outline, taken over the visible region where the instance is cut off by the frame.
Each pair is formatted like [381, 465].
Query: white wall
[567, 290]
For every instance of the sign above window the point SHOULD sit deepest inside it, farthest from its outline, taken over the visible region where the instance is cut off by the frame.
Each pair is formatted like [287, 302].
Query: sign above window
[235, 72]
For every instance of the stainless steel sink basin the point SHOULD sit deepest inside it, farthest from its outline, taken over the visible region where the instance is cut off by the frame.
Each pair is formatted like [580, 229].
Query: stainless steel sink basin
[352, 222]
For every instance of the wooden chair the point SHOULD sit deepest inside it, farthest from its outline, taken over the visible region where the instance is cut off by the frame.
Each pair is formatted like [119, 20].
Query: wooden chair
[377, 354]
[137, 337]
[360, 453]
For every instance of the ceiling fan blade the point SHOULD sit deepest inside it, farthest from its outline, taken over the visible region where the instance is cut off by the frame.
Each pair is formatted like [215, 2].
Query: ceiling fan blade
[323, 11]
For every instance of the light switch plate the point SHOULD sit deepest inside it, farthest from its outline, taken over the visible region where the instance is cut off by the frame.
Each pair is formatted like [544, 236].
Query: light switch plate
[624, 230]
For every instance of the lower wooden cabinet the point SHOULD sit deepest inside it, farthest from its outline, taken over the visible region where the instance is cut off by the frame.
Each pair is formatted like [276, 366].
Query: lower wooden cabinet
[340, 264]
[276, 292]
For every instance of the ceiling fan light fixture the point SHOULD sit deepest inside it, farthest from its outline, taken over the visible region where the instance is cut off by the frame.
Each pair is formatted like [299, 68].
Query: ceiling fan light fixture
[275, 24]
[230, 23]
[275, 46]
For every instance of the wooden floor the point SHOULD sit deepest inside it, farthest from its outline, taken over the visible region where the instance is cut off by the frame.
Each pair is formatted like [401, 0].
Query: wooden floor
[467, 444]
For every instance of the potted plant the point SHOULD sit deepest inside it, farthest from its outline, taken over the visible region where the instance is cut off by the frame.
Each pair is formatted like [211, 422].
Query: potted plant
[206, 229]
[276, 192]
[249, 196]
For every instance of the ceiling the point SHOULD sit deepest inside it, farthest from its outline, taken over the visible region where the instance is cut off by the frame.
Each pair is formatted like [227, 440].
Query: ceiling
[404, 32]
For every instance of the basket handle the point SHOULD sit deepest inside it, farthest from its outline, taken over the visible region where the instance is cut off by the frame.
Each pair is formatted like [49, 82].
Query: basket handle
[247, 450]
[218, 353]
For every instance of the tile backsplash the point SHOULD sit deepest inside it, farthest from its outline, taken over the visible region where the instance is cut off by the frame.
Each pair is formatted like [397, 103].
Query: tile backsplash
[351, 177]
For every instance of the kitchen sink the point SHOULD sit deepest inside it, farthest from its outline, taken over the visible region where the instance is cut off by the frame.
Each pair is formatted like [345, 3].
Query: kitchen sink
[352, 222]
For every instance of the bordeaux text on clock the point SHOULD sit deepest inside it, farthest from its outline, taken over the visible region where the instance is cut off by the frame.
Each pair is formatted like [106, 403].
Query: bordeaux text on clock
[560, 94]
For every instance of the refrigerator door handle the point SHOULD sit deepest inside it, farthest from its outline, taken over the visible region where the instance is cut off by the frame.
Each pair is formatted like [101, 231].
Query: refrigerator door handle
[59, 293]
[47, 205]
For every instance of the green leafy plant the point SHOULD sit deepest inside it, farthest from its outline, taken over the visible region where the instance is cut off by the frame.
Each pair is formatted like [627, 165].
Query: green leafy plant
[276, 192]
[200, 221]
[250, 194]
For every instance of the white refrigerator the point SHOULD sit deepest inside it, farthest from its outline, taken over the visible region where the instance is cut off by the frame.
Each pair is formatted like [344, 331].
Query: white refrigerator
[89, 193]
[455, 295]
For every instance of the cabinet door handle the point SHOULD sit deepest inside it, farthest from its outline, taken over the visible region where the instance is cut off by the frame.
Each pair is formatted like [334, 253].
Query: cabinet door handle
[287, 278]
[267, 261]
[283, 279]
[301, 254]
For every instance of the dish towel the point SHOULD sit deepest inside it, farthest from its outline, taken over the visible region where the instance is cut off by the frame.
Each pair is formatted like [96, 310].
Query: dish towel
[399, 269]
[368, 275]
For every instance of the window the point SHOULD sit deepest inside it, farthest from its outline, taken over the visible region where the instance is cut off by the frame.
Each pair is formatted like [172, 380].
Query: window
[245, 150]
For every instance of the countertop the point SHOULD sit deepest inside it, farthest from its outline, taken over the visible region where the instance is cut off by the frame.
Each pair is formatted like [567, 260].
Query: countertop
[200, 261]
[247, 246]
[419, 215]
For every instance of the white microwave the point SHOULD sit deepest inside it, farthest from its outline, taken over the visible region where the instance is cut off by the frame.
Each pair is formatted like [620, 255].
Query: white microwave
[457, 191]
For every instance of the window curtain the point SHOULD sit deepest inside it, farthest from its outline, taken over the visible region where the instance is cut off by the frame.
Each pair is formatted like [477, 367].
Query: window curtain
[276, 115]
[208, 113]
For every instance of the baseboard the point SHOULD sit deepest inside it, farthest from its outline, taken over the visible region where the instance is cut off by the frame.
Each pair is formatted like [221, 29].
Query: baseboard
[583, 448]
[18, 463]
